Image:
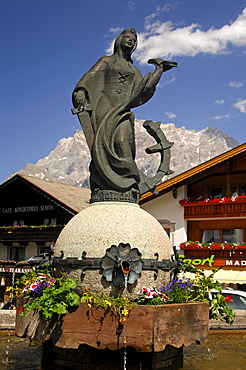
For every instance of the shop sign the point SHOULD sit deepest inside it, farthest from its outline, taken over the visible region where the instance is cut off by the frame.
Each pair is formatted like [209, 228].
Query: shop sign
[215, 262]
[46, 207]
[235, 263]
[198, 261]
[12, 269]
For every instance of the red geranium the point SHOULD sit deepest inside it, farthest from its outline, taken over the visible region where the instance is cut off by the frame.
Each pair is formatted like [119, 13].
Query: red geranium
[228, 298]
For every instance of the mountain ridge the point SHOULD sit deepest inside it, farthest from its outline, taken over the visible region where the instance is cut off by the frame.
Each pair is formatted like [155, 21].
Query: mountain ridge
[69, 161]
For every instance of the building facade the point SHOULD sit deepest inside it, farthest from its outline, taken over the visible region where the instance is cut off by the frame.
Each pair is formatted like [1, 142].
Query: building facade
[207, 205]
[32, 214]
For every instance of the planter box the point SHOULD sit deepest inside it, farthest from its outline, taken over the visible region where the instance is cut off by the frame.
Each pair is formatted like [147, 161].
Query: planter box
[148, 328]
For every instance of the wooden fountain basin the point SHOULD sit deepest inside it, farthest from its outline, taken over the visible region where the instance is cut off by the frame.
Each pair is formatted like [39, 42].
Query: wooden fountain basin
[148, 328]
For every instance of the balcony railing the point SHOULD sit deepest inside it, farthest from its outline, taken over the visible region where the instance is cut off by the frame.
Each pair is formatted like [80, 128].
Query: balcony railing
[209, 210]
[220, 254]
[37, 233]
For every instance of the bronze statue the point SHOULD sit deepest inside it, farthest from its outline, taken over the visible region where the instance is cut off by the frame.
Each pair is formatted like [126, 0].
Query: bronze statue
[103, 99]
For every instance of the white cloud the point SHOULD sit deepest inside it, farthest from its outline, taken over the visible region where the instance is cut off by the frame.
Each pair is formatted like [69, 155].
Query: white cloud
[217, 117]
[241, 105]
[170, 114]
[166, 40]
[219, 101]
[159, 10]
[115, 30]
[236, 84]
[130, 5]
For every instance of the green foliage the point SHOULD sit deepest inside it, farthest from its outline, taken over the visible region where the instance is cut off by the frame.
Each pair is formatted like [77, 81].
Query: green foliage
[178, 291]
[47, 294]
[55, 299]
[120, 305]
[202, 290]
[51, 295]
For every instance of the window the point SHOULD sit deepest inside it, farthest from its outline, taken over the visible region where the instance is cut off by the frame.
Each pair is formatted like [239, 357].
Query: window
[50, 221]
[210, 236]
[243, 190]
[44, 250]
[19, 223]
[168, 231]
[216, 192]
[17, 254]
[232, 235]
[234, 191]
[237, 302]
[53, 221]
[222, 236]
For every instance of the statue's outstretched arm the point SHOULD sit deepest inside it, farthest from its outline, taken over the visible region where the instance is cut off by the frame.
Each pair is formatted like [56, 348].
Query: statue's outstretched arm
[160, 67]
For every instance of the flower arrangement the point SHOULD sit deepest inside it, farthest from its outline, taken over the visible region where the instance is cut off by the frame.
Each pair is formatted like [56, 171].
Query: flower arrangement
[19, 227]
[119, 306]
[7, 262]
[201, 200]
[55, 295]
[148, 296]
[214, 245]
[47, 294]
[178, 291]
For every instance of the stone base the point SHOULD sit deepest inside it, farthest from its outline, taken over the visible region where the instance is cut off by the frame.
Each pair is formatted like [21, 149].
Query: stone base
[87, 358]
[103, 224]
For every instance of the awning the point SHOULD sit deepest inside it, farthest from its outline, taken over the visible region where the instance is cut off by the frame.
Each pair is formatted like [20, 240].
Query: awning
[223, 276]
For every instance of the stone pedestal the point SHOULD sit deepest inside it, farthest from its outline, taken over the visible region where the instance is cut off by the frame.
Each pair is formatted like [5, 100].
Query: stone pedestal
[103, 224]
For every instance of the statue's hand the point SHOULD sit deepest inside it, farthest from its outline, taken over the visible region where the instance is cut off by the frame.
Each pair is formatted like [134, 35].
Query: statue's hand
[79, 99]
[164, 64]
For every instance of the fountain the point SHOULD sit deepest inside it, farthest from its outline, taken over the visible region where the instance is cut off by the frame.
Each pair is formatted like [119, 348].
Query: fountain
[114, 245]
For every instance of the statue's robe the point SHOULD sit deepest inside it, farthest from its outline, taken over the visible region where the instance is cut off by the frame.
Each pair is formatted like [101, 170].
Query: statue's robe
[112, 87]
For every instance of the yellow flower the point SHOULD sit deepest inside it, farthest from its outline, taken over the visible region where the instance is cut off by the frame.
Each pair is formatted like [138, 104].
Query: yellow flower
[108, 303]
[8, 289]
[124, 312]
[123, 319]
[90, 299]
[89, 305]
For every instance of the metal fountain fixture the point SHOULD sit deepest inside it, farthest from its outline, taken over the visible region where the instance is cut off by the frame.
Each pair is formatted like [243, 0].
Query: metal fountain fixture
[119, 264]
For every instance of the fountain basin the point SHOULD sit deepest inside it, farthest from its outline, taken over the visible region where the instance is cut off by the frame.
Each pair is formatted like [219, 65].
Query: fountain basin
[88, 338]
[148, 328]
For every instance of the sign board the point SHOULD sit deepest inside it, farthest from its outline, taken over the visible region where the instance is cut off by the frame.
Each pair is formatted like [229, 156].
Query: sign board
[19, 270]
[214, 262]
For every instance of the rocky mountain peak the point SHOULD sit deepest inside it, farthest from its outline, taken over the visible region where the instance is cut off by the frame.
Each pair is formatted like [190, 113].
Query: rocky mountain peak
[69, 161]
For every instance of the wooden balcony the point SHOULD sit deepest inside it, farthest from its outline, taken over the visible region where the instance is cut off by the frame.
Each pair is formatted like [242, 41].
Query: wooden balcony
[211, 210]
[218, 253]
[30, 233]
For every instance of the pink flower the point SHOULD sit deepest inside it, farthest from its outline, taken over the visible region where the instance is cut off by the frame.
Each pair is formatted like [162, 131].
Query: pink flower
[164, 297]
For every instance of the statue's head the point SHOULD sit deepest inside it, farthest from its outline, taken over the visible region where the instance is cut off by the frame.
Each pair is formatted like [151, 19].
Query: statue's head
[124, 39]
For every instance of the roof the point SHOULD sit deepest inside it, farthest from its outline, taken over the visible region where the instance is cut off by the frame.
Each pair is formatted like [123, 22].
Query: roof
[74, 197]
[187, 176]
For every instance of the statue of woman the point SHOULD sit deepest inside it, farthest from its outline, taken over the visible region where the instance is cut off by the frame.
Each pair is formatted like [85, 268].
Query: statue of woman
[103, 99]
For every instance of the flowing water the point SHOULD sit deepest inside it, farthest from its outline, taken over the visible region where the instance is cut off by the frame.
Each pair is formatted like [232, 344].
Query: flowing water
[224, 350]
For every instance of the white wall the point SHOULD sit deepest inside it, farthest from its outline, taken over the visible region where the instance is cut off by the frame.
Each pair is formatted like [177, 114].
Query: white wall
[166, 208]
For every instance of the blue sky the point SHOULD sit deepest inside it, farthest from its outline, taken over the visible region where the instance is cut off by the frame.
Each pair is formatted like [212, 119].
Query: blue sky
[47, 45]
